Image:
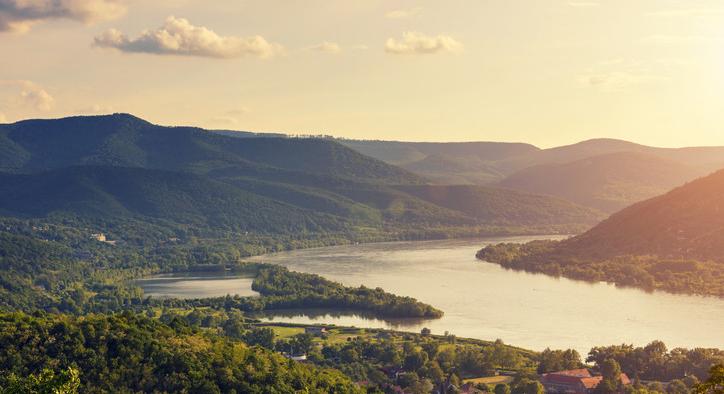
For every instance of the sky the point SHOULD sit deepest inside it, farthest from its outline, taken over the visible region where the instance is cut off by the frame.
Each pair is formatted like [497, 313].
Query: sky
[547, 72]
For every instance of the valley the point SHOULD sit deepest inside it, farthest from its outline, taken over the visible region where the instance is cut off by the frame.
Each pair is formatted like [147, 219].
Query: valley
[254, 239]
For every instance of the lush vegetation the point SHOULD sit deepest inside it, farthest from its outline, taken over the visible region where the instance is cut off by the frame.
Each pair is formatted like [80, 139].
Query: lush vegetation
[211, 350]
[505, 206]
[119, 167]
[645, 272]
[128, 353]
[655, 362]
[53, 268]
[286, 289]
[90, 203]
[674, 242]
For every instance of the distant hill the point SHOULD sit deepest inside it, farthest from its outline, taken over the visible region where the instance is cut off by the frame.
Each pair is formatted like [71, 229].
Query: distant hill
[608, 182]
[122, 167]
[125, 140]
[182, 198]
[673, 242]
[448, 170]
[503, 206]
[446, 163]
[508, 158]
[687, 222]
[401, 152]
[605, 174]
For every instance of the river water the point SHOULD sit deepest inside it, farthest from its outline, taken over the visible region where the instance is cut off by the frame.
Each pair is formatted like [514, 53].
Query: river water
[483, 300]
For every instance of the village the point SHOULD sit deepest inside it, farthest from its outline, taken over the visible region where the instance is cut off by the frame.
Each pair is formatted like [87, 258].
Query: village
[497, 380]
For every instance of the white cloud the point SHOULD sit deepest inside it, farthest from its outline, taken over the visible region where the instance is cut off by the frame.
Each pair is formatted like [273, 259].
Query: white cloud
[179, 37]
[20, 15]
[404, 14]
[26, 94]
[418, 43]
[327, 47]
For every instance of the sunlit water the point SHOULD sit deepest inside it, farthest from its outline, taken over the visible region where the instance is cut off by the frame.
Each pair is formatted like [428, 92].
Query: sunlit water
[485, 301]
[196, 285]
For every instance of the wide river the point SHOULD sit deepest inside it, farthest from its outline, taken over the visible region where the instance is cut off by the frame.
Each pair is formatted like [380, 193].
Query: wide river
[485, 301]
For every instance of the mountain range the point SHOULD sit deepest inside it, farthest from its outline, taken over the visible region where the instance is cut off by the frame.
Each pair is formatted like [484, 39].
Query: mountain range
[605, 174]
[120, 166]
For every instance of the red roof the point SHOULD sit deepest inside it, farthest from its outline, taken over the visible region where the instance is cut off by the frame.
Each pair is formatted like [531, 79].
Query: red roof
[583, 372]
[592, 382]
[575, 376]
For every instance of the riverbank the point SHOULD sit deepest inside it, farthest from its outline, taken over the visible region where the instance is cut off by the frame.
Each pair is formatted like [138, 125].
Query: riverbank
[486, 301]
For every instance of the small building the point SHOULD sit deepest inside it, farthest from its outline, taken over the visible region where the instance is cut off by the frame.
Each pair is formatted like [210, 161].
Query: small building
[574, 381]
[299, 358]
[99, 237]
[315, 330]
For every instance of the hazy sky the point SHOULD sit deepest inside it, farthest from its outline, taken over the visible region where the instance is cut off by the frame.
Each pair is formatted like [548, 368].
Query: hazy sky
[548, 72]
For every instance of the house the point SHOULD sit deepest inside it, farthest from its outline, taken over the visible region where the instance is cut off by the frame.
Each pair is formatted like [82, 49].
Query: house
[316, 331]
[574, 381]
[99, 237]
[300, 358]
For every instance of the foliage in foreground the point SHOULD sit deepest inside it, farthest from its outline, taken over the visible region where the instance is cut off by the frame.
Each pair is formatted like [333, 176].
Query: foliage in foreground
[127, 353]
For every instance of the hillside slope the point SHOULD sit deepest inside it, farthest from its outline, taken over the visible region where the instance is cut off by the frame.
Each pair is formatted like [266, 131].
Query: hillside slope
[673, 242]
[607, 182]
[687, 222]
[124, 140]
[120, 166]
[181, 198]
[504, 206]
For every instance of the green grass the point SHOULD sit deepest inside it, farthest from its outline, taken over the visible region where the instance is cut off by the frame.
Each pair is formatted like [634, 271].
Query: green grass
[286, 332]
[491, 380]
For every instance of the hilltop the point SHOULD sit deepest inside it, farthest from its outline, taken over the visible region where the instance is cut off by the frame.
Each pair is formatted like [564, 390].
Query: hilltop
[604, 174]
[673, 242]
[116, 167]
[608, 182]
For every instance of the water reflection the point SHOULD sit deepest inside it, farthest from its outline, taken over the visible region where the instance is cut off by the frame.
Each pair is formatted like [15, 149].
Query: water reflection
[197, 285]
[485, 301]
[339, 317]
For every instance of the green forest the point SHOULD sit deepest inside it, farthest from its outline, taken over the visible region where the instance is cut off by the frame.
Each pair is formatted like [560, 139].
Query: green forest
[687, 276]
[90, 204]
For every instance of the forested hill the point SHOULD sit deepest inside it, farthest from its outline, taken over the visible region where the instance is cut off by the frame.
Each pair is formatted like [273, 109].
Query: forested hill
[164, 196]
[607, 182]
[604, 174]
[134, 354]
[673, 242]
[122, 167]
[687, 222]
[125, 140]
